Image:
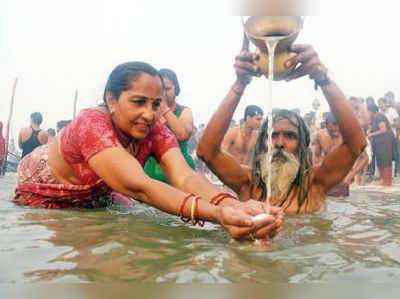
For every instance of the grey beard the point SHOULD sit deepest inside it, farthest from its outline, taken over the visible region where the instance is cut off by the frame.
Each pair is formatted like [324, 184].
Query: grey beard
[284, 169]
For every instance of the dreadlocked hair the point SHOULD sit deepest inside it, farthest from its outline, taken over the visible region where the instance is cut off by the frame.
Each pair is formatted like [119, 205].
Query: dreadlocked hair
[303, 178]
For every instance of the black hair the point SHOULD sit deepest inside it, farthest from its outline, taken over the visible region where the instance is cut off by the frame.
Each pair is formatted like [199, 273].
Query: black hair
[122, 76]
[37, 118]
[373, 108]
[62, 123]
[303, 153]
[171, 75]
[252, 110]
[370, 99]
[51, 132]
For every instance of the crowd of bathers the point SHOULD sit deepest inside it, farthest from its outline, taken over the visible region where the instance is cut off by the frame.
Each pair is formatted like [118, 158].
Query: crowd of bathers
[141, 145]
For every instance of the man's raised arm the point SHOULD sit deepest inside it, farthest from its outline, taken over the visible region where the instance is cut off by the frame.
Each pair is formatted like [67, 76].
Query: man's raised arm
[226, 167]
[340, 161]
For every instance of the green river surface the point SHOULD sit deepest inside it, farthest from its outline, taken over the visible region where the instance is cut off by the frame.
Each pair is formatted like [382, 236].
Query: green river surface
[356, 239]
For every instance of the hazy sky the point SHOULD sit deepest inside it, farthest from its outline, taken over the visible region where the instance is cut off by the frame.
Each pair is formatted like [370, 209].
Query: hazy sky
[57, 47]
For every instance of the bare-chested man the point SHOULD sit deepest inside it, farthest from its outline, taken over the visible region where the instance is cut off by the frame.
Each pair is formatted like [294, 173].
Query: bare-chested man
[241, 140]
[296, 185]
[328, 140]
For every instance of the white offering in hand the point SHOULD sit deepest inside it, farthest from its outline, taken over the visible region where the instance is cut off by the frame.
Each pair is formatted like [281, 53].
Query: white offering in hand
[260, 217]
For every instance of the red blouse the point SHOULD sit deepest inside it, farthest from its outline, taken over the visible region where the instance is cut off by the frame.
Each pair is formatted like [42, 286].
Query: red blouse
[93, 131]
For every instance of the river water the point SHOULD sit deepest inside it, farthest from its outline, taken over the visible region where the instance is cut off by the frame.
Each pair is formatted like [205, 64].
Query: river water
[356, 239]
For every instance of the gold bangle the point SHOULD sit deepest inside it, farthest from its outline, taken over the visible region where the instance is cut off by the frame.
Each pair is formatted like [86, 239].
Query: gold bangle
[192, 210]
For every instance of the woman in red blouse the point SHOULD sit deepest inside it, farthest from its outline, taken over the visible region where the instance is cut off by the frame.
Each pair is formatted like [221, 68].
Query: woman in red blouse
[105, 148]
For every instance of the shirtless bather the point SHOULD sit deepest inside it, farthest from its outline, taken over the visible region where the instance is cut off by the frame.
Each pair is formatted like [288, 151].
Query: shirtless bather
[241, 140]
[326, 141]
[296, 185]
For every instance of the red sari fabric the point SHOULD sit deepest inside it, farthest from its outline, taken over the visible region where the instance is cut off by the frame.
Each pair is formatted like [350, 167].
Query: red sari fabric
[88, 134]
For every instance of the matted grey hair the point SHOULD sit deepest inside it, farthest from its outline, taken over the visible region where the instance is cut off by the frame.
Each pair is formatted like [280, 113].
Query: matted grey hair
[303, 178]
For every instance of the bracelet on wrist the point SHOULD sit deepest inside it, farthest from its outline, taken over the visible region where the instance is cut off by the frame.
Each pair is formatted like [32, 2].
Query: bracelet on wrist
[217, 199]
[321, 83]
[324, 79]
[194, 210]
[183, 218]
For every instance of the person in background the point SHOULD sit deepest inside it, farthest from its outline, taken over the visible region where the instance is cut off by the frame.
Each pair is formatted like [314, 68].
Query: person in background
[319, 117]
[361, 111]
[240, 141]
[390, 99]
[178, 118]
[309, 119]
[382, 140]
[327, 140]
[372, 164]
[2, 149]
[360, 171]
[52, 134]
[396, 126]
[386, 107]
[61, 124]
[387, 110]
[32, 137]
[369, 100]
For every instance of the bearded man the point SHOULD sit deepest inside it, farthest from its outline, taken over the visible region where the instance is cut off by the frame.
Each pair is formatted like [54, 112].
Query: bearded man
[296, 185]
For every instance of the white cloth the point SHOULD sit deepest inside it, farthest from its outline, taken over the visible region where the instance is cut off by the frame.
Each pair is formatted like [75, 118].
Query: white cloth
[391, 114]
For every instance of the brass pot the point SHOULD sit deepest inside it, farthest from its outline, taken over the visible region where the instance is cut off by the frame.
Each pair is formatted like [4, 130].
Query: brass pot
[258, 28]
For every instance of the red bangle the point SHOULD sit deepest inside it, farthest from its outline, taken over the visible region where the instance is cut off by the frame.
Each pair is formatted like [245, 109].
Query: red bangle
[186, 220]
[217, 199]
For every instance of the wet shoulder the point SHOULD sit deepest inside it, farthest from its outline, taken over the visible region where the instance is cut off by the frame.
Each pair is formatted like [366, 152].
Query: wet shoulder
[25, 134]
[90, 132]
[91, 118]
[315, 199]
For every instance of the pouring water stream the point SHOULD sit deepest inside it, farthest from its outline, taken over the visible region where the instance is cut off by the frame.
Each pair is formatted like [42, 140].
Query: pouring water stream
[271, 43]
